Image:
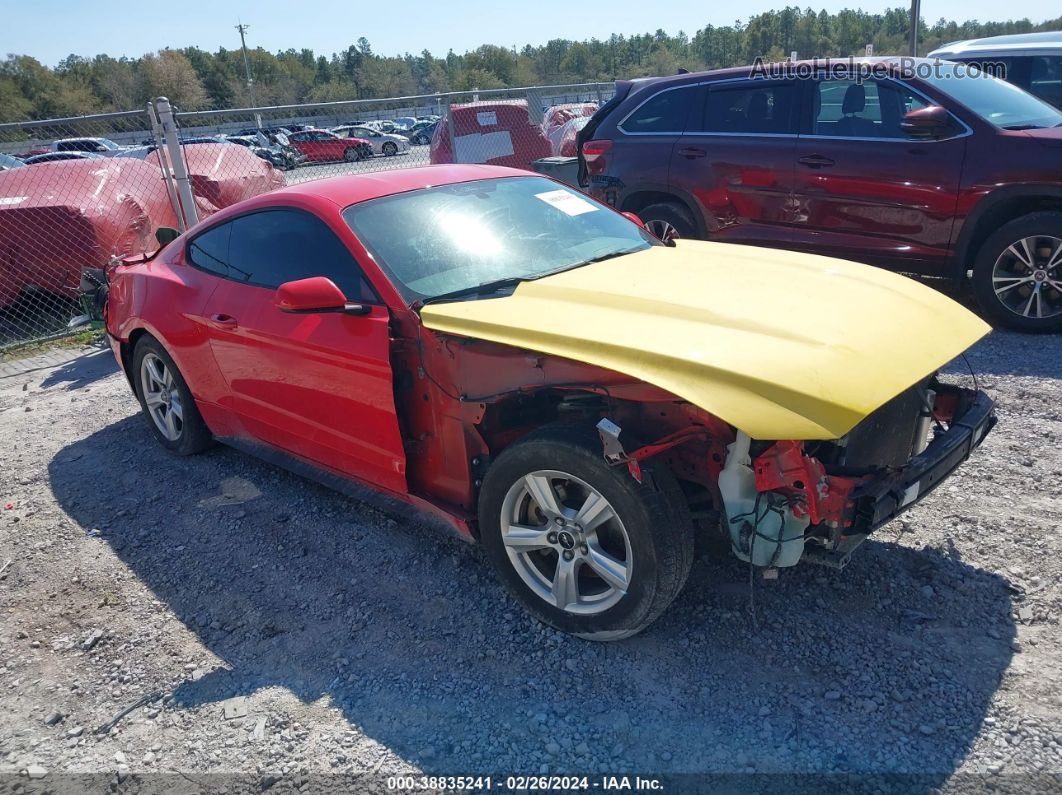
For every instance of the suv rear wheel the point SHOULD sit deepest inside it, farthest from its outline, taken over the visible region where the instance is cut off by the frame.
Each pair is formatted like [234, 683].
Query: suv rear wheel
[582, 545]
[1017, 276]
[668, 220]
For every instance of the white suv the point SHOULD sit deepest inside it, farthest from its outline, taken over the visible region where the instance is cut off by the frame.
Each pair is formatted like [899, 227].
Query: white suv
[1032, 61]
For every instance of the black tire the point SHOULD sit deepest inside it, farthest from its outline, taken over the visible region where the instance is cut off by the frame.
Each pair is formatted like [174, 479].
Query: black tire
[390, 149]
[658, 217]
[352, 154]
[653, 514]
[194, 435]
[1007, 309]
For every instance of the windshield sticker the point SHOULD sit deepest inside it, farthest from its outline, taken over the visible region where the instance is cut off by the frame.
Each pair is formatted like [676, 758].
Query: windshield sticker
[487, 118]
[566, 202]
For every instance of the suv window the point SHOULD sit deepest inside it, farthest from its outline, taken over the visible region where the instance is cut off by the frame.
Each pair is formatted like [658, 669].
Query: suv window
[271, 247]
[275, 246]
[1045, 78]
[80, 146]
[751, 108]
[862, 109]
[664, 113]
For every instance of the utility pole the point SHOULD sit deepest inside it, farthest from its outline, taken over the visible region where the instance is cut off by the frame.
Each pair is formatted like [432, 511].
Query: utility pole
[916, 12]
[247, 62]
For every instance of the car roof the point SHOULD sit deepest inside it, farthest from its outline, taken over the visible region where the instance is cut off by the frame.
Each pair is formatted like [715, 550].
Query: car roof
[353, 188]
[1016, 42]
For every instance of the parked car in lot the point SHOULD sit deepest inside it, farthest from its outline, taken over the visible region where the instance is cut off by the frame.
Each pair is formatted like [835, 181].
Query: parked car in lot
[497, 133]
[102, 146]
[422, 132]
[958, 178]
[323, 146]
[381, 143]
[56, 157]
[284, 157]
[519, 363]
[1032, 61]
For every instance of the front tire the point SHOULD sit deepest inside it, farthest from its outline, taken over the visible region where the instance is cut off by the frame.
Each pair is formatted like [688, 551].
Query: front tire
[1017, 275]
[166, 400]
[390, 149]
[582, 545]
[351, 155]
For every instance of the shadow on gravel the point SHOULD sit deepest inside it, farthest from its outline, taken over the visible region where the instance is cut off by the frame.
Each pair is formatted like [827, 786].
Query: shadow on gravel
[888, 667]
[83, 371]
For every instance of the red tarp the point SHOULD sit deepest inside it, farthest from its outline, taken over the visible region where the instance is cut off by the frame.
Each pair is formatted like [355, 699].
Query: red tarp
[56, 218]
[498, 133]
[223, 174]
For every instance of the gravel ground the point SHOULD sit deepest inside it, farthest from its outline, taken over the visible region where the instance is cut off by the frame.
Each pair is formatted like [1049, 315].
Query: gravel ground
[288, 631]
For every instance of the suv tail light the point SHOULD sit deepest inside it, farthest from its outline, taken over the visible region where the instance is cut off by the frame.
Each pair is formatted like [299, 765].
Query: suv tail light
[594, 154]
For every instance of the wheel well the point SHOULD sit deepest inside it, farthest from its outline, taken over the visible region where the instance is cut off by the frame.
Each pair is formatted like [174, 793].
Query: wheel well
[642, 199]
[126, 349]
[996, 216]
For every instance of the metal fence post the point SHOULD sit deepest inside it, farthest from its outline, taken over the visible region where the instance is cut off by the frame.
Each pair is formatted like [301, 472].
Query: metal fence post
[176, 157]
[167, 171]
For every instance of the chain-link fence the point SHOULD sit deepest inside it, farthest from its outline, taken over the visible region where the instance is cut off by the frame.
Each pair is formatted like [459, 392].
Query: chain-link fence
[76, 192]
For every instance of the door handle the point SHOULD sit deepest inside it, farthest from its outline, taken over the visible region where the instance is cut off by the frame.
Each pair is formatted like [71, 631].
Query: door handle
[691, 152]
[816, 161]
[223, 321]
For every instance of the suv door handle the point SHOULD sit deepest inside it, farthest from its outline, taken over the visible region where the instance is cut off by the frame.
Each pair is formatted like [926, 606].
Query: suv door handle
[223, 321]
[691, 152]
[816, 161]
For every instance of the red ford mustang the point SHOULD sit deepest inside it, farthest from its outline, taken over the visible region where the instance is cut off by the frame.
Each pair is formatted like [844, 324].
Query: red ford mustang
[533, 369]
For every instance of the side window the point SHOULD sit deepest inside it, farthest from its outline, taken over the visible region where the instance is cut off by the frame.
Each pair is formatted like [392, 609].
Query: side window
[298, 137]
[664, 113]
[321, 136]
[862, 109]
[1045, 78]
[751, 108]
[210, 250]
[276, 246]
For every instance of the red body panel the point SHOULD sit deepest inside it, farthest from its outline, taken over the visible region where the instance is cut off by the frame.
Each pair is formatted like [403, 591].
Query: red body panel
[328, 150]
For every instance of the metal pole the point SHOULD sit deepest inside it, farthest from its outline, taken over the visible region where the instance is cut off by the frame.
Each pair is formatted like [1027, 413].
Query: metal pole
[246, 63]
[167, 173]
[916, 12]
[180, 169]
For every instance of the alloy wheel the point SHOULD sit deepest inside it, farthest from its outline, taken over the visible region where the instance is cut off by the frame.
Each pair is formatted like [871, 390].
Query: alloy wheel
[662, 229]
[1027, 277]
[162, 397]
[566, 542]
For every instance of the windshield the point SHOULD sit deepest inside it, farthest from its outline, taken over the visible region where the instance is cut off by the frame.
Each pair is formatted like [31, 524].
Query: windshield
[996, 101]
[440, 240]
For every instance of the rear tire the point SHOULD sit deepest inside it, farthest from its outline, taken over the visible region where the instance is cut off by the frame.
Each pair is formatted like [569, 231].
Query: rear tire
[167, 402]
[668, 220]
[624, 569]
[1017, 274]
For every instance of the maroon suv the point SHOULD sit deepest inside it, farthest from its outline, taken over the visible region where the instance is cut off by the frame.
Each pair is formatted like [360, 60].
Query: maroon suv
[919, 166]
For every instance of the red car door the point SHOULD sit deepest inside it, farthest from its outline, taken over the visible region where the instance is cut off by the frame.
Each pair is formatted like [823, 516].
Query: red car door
[865, 190]
[736, 159]
[316, 385]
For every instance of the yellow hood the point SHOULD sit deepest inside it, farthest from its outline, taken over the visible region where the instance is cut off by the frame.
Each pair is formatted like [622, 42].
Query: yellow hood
[780, 345]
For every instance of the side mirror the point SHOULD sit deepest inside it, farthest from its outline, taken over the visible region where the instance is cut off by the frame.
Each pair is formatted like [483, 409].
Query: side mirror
[632, 217]
[931, 122]
[313, 295]
[165, 235]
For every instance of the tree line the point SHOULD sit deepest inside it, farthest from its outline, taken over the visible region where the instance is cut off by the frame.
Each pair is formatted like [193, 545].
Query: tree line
[196, 80]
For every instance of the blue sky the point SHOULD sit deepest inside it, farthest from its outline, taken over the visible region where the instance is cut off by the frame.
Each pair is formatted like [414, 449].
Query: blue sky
[52, 30]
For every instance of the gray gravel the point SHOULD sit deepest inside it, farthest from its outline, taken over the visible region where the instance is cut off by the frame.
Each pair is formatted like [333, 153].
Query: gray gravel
[267, 626]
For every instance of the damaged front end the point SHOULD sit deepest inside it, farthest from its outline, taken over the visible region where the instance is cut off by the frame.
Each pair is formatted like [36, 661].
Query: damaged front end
[817, 501]
[782, 502]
